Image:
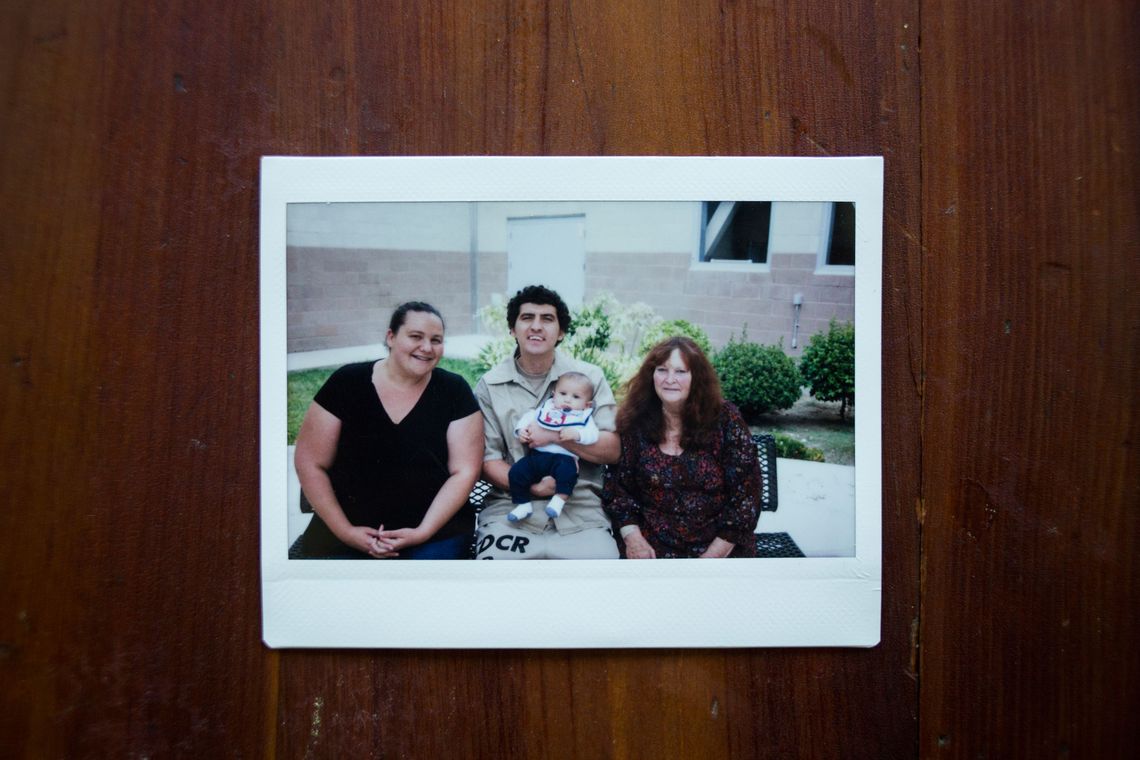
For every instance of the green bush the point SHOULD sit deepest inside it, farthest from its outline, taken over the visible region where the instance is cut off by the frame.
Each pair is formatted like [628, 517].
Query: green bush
[601, 332]
[629, 322]
[828, 365]
[590, 340]
[671, 327]
[589, 332]
[757, 378]
[493, 352]
[793, 448]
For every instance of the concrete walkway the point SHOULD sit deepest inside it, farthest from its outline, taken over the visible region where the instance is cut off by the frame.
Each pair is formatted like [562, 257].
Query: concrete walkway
[454, 347]
[816, 507]
[817, 501]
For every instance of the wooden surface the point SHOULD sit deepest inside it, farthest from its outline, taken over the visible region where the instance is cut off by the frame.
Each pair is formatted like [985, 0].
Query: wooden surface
[131, 133]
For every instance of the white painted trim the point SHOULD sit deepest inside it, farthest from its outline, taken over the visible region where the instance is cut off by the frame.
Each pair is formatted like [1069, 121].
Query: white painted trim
[821, 265]
[713, 232]
[729, 266]
[716, 227]
[835, 270]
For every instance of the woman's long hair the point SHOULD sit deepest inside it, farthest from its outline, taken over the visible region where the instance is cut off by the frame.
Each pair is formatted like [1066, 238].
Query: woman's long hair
[641, 410]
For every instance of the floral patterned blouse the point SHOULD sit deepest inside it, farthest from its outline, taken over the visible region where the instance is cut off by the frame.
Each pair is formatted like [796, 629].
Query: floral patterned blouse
[681, 503]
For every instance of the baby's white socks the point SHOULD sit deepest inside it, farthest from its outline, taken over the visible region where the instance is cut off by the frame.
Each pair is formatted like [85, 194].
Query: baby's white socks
[523, 511]
[554, 508]
[520, 512]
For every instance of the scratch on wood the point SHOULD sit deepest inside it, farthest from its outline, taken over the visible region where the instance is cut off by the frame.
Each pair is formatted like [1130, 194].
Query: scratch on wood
[272, 688]
[56, 34]
[596, 132]
[916, 375]
[811, 140]
[831, 51]
[978, 491]
[1055, 267]
[910, 236]
[916, 621]
[22, 365]
[315, 725]
[912, 666]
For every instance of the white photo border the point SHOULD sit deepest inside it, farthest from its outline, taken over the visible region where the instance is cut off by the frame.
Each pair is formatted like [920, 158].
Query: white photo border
[586, 603]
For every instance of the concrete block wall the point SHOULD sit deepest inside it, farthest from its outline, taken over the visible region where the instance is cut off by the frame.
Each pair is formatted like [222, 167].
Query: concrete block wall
[344, 297]
[723, 302]
[339, 297]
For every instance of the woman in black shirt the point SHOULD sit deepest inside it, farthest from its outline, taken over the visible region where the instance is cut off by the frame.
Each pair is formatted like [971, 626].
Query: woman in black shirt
[389, 450]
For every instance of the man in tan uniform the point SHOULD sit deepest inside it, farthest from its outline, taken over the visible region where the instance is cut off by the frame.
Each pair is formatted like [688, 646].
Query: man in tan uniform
[538, 320]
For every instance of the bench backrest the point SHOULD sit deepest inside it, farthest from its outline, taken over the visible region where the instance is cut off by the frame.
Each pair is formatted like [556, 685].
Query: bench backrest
[765, 453]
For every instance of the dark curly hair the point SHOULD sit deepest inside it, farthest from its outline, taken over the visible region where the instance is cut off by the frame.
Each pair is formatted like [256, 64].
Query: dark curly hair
[641, 411]
[539, 296]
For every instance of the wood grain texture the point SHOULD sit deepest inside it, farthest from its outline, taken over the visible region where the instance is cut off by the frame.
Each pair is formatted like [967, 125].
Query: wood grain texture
[131, 132]
[1032, 346]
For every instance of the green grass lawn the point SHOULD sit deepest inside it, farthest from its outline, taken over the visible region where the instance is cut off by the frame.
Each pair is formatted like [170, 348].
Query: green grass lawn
[813, 423]
[304, 384]
[837, 445]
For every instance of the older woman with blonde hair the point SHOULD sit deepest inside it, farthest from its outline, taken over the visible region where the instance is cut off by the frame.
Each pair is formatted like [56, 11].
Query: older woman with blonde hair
[688, 481]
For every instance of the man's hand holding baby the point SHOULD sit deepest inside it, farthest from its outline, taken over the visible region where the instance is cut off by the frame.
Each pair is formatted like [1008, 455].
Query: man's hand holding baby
[535, 435]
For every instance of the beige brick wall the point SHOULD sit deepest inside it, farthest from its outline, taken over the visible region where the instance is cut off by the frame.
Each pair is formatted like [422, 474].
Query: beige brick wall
[723, 302]
[340, 297]
[344, 297]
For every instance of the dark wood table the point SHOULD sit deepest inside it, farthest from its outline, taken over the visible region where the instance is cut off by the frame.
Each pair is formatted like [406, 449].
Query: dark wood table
[131, 133]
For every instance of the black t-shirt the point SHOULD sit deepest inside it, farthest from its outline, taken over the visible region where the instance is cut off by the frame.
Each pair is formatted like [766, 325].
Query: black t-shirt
[386, 473]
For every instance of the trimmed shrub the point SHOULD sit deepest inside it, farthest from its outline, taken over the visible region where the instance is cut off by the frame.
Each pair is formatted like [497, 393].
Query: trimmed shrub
[757, 378]
[828, 365]
[671, 327]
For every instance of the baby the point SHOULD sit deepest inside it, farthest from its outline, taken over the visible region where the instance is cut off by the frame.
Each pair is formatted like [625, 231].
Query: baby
[570, 412]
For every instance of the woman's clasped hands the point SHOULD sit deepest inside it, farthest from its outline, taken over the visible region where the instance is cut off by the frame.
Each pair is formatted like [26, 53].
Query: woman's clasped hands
[383, 544]
[387, 543]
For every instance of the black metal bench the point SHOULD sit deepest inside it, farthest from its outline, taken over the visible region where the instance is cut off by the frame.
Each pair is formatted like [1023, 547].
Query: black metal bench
[767, 544]
[765, 452]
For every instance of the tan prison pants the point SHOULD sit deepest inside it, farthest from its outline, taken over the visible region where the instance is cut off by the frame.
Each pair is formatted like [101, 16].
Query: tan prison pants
[496, 538]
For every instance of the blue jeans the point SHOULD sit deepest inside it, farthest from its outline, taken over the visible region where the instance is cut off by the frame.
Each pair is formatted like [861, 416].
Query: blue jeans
[456, 547]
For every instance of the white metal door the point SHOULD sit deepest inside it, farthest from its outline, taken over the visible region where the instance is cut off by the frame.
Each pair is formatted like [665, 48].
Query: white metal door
[550, 251]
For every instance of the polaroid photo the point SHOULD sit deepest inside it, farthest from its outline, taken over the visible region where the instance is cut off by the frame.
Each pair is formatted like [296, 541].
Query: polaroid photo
[771, 266]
